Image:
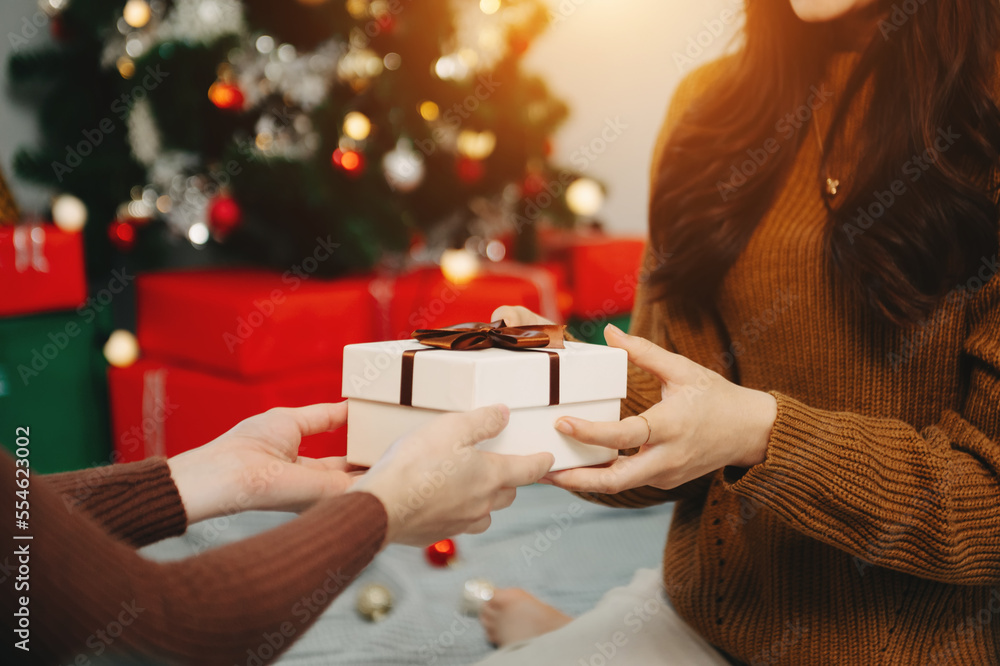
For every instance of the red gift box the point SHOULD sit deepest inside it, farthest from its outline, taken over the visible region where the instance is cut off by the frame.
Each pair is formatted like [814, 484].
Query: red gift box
[41, 269]
[424, 298]
[602, 271]
[250, 323]
[158, 409]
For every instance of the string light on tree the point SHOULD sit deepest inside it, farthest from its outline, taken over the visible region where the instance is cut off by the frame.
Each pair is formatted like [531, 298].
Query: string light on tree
[585, 197]
[358, 9]
[357, 126]
[404, 167]
[122, 349]
[52, 7]
[137, 13]
[69, 213]
[429, 111]
[199, 233]
[477, 145]
[489, 7]
[350, 162]
[459, 267]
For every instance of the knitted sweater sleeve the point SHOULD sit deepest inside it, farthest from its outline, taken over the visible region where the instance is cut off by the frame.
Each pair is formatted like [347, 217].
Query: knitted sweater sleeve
[135, 502]
[925, 502]
[93, 598]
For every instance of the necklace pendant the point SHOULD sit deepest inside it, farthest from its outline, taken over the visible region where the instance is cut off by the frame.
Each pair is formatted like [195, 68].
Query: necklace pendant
[832, 186]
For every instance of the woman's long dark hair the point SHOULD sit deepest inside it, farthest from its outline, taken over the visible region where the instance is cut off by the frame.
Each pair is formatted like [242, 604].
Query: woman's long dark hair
[933, 70]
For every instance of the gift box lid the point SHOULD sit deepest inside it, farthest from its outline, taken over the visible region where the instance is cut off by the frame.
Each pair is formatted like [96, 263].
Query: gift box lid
[463, 380]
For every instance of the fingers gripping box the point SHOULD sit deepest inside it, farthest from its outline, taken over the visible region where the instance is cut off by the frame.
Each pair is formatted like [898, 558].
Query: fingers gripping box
[396, 387]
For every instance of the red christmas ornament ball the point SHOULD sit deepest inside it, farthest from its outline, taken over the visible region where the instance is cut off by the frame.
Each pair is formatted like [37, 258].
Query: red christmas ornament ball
[122, 235]
[532, 185]
[224, 215]
[442, 553]
[386, 23]
[469, 171]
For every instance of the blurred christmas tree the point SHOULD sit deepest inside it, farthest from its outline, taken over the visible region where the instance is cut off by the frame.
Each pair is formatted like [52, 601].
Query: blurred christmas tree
[221, 131]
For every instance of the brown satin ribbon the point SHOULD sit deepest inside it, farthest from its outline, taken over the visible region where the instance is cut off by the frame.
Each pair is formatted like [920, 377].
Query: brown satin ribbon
[475, 336]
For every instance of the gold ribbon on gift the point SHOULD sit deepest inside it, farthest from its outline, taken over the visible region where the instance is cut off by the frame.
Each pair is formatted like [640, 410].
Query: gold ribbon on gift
[476, 336]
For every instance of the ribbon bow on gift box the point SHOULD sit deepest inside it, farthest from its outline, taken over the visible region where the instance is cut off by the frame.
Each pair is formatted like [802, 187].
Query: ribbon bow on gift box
[477, 335]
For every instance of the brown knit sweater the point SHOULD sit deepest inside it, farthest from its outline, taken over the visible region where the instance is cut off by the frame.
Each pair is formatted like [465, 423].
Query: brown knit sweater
[92, 599]
[871, 533]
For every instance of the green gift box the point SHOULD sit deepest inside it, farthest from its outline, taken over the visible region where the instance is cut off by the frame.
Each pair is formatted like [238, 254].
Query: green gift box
[53, 381]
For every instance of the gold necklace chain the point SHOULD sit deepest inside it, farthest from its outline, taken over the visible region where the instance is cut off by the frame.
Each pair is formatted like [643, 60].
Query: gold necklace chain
[832, 184]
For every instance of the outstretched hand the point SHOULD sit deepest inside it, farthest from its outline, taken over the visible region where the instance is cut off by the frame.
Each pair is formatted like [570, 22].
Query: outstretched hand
[702, 423]
[256, 466]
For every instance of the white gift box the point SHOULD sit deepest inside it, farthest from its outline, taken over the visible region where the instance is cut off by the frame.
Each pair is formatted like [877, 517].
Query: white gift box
[389, 396]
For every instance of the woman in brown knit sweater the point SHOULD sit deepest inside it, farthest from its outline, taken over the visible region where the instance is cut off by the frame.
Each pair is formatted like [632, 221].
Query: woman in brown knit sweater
[816, 372]
[76, 592]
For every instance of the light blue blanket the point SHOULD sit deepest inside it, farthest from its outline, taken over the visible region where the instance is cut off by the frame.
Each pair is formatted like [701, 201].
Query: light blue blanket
[567, 551]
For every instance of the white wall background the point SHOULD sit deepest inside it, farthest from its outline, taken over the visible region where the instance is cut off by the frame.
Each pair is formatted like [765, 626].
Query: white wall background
[607, 58]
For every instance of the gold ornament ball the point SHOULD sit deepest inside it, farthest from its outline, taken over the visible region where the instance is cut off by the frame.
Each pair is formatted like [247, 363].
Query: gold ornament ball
[121, 349]
[374, 602]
